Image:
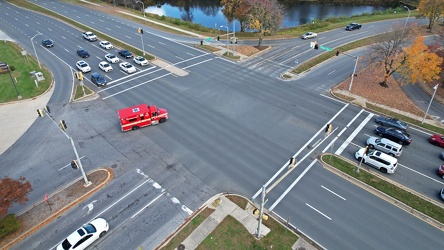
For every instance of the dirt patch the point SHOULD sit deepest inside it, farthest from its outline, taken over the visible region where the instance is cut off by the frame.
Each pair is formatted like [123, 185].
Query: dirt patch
[44, 212]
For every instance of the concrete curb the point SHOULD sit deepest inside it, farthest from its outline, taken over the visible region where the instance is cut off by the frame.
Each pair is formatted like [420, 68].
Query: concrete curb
[64, 209]
[384, 196]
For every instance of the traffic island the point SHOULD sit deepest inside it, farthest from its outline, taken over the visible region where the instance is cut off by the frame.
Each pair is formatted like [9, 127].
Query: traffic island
[52, 206]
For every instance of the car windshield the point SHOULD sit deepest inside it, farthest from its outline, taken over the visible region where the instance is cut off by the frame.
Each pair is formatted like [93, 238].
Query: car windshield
[89, 228]
[101, 79]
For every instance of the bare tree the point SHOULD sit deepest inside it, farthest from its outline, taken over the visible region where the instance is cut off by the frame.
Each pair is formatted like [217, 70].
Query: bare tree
[264, 15]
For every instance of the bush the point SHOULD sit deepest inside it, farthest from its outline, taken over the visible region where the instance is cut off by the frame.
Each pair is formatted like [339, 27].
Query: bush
[9, 224]
[12, 68]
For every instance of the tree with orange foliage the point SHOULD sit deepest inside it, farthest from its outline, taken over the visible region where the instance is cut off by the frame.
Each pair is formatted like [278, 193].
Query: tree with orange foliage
[420, 65]
[13, 191]
[432, 9]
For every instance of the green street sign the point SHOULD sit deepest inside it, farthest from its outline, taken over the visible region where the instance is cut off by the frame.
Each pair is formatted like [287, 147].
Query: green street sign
[325, 48]
[208, 39]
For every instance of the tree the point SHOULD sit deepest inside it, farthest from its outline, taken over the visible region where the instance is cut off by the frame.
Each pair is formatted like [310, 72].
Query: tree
[420, 64]
[432, 9]
[13, 191]
[236, 9]
[388, 51]
[264, 15]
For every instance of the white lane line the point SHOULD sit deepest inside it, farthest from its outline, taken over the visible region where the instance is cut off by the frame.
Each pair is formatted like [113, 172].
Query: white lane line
[333, 99]
[63, 37]
[137, 74]
[342, 131]
[190, 54]
[150, 46]
[317, 211]
[123, 197]
[108, 77]
[128, 36]
[118, 27]
[331, 72]
[428, 177]
[162, 43]
[333, 192]
[147, 205]
[292, 185]
[108, 28]
[180, 58]
[300, 150]
[350, 138]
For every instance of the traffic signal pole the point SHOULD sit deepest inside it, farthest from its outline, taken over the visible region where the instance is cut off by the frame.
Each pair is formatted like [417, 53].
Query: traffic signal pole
[87, 182]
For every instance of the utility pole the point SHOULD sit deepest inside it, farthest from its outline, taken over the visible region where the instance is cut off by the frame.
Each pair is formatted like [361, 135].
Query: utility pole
[261, 212]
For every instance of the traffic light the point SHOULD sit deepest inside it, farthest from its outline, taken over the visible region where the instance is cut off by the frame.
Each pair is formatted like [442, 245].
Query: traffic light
[47, 109]
[63, 125]
[337, 52]
[140, 31]
[316, 45]
[79, 76]
[40, 112]
[292, 162]
[74, 164]
[366, 150]
[328, 128]
[218, 38]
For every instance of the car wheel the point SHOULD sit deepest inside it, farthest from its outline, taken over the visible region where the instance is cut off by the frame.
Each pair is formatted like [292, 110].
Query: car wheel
[380, 134]
[102, 234]
[383, 170]
[360, 159]
[379, 123]
[435, 143]
[392, 154]
[162, 120]
[135, 128]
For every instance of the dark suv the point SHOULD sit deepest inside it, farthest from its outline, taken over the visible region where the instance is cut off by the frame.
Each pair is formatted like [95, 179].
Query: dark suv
[125, 53]
[97, 79]
[353, 26]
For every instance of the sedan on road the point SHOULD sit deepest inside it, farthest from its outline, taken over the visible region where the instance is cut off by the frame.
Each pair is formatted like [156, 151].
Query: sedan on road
[441, 170]
[437, 140]
[106, 45]
[82, 53]
[127, 67]
[48, 43]
[353, 26]
[125, 53]
[112, 58]
[83, 66]
[105, 66]
[309, 35]
[442, 193]
[392, 122]
[140, 60]
[394, 134]
[98, 79]
[85, 236]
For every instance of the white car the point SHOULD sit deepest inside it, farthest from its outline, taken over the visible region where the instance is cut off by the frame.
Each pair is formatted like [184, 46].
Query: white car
[105, 66]
[309, 35]
[127, 67]
[112, 58]
[106, 45]
[377, 159]
[85, 236]
[140, 60]
[83, 66]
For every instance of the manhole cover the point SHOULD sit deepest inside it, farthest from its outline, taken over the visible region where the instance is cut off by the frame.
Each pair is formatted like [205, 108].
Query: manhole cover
[114, 166]
[181, 247]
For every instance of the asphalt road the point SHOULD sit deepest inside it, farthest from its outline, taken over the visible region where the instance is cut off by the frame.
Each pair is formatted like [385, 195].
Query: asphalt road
[231, 129]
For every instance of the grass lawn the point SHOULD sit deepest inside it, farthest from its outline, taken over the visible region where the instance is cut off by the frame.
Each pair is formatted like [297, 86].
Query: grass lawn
[20, 68]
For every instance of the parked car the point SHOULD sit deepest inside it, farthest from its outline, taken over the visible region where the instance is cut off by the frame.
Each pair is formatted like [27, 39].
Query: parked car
[394, 134]
[125, 53]
[105, 66]
[442, 193]
[385, 145]
[82, 53]
[112, 58]
[353, 26]
[309, 35]
[140, 60]
[392, 122]
[98, 79]
[106, 45]
[441, 156]
[441, 170]
[48, 43]
[83, 66]
[127, 67]
[437, 140]
[377, 159]
[85, 236]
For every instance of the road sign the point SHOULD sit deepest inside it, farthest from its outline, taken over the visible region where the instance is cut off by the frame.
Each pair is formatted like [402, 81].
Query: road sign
[208, 39]
[325, 48]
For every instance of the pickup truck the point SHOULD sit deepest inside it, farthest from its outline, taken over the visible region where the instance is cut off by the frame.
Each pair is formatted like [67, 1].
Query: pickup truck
[89, 36]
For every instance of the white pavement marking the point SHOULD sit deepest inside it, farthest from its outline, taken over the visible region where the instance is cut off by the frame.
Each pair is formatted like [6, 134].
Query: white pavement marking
[300, 150]
[318, 211]
[423, 175]
[333, 192]
[350, 138]
[331, 72]
[151, 202]
[90, 207]
[143, 83]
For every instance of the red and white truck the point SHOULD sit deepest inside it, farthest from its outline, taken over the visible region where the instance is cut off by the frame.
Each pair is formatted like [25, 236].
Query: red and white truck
[142, 115]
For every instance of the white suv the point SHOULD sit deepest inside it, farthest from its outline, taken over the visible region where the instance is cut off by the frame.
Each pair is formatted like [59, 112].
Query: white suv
[385, 145]
[385, 163]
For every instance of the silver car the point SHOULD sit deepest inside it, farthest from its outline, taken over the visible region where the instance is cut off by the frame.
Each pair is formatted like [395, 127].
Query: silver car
[309, 35]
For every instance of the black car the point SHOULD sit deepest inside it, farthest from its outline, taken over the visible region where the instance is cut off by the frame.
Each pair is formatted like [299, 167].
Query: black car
[98, 79]
[125, 53]
[394, 134]
[83, 53]
[48, 43]
[353, 26]
[392, 122]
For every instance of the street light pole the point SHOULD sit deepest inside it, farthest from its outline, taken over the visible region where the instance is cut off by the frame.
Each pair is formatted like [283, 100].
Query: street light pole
[234, 35]
[407, 16]
[430, 103]
[227, 37]
[35, 52]
[143, 6]
[13, 83]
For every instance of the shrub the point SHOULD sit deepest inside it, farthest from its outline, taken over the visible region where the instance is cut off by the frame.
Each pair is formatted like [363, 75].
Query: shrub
[8, 225]
[12, 68]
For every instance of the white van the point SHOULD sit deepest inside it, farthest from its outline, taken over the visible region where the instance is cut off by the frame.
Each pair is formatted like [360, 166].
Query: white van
[377, 159]
[385, 145]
